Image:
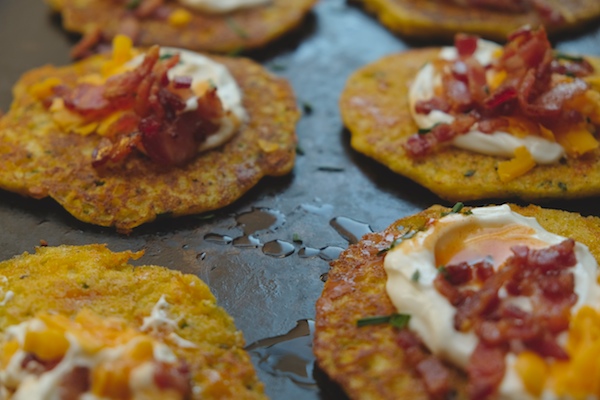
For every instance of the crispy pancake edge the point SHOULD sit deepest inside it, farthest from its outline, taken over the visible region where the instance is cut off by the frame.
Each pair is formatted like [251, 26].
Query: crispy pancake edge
[66, 279]
[231, 32]
[366, 361]
[430, 19]
[374, 107]
[40, 160]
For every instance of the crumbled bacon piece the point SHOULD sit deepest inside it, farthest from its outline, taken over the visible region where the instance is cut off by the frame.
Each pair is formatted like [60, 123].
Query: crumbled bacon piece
[432, 371]
[543, 276]
[173, 377]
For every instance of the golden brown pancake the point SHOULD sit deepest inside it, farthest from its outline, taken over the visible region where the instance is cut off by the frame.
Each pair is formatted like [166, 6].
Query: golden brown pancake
[39, 159]
[367, 362]
[67, 279]
[439, 19]
[222, 33]
[374, 106]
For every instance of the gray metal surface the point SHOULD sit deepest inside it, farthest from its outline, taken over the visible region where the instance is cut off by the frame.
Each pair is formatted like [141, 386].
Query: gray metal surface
[265, 256]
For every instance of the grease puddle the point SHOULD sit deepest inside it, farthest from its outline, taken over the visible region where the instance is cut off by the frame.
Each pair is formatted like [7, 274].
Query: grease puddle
[289, 355]
[350, 229]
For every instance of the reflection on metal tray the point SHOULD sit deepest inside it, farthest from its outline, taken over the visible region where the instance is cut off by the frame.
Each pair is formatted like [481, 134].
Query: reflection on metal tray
[266, 256]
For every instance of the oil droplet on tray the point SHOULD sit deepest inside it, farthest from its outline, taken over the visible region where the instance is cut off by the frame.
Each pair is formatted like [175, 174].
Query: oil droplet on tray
[260, 220]
[288, 355]
[254, 223]
[217, 238]
[350, 229]
[328, 253]
[278, 248]
[201, 256]
[246, 241]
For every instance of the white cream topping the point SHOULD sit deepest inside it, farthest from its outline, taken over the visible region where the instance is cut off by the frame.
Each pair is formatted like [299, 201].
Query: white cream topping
[160, 319]
[31, 384]
[432, 316]
[202, 69]
[222, 6]
[8, 296]
[498, 143]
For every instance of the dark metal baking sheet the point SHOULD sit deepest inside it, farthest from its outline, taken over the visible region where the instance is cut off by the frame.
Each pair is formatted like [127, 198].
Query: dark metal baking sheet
[266, 256]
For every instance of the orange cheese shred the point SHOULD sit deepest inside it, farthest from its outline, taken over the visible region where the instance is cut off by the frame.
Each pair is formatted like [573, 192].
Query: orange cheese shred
[518, 166]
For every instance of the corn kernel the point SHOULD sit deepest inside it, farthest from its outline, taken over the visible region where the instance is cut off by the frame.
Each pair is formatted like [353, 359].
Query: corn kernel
[180, 17]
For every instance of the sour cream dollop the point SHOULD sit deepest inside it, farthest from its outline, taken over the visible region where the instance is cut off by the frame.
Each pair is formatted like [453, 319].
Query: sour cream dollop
[488, 230]
[222, 6]
[203, 69]
[498, 143]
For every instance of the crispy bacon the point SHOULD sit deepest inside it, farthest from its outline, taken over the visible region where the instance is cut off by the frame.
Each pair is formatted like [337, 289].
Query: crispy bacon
[529, 88]
[147, 8]
[173, 377]
[485, 370]
[152, 118]
[465, 44]
[85, 45]
[543, 276]
[432, 371]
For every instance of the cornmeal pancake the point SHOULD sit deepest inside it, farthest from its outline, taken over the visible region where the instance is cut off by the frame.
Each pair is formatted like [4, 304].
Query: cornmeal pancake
[368, 361]
[40, 159]
[99, 286]
[234, 31]
[440, 19]
[375, 108]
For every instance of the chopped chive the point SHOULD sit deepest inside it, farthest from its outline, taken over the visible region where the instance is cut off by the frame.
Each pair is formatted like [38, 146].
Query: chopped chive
[236, 28]
[423, 131]
[416, 276]
[296, 238]
[400, 321]
[562, 186]
[442, 270]
[563, 56]
[397, 320]
[455, 209]
[133, 4]
[165, 56]
[396, 242]
[469, 173]
[277, 67]
[299, 150]
[85, 285]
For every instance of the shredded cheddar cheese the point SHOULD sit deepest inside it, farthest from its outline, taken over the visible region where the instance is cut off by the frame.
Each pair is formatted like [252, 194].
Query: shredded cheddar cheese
[44, 88]
[576, 140]
[518, 166]
[577, 378]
